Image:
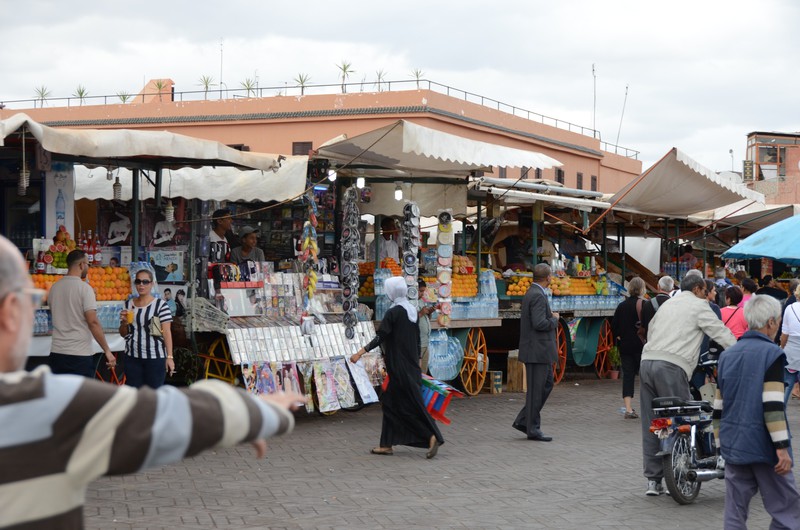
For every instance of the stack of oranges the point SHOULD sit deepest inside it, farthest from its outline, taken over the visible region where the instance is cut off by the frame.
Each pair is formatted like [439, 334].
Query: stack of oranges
[368, 287]
[519, 285]
[366, 268]
[110, 283]
[465, 285]
[45, 281]
[392, 265]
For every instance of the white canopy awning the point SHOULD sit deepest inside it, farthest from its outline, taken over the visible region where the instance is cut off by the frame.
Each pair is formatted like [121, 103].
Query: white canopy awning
[424, 151]
[121, 144]
[748, 215]
[677, 186]
[206, 183]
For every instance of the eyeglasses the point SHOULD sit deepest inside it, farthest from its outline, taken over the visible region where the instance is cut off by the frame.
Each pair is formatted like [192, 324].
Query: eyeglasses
[142, 282]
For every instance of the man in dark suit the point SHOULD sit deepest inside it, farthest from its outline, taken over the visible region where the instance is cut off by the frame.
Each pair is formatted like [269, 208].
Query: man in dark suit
[538, 350]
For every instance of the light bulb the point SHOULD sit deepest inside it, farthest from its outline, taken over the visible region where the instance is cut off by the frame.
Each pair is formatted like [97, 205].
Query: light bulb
[169, 212]
[109, 176]
[117, 187]
[24, 181]
[398, 193]
[332, 175]
[360, 182]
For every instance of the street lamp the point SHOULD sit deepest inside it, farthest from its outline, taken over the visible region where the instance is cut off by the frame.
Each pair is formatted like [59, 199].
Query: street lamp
[730, 152]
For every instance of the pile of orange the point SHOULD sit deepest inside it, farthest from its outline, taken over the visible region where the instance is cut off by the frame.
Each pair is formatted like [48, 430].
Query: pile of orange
[392, 265]
[561, 285]
[464, 286]
[519, 285]
[44, 281]
[368, 287]
[366, 268]
[110, 283]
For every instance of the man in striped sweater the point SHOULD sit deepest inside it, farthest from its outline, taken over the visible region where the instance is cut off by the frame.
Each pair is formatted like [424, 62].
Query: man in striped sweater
[750, 421]
[58, 433]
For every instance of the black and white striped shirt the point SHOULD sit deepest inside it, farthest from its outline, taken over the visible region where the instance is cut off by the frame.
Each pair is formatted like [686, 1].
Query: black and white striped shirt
[139, 342]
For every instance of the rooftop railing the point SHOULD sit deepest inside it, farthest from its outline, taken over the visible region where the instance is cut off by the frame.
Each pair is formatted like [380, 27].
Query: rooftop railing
[223, 92]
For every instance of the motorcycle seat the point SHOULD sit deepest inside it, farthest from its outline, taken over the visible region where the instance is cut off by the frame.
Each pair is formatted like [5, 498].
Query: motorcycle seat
[676, 402]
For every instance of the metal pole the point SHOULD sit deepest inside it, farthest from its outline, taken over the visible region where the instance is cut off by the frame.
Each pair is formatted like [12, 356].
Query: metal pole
[621, 241]
[705, 258]
[677, 250]
[377, 231]
[135, 223]
[535, 235]
[463, 232]
[159, 179]
[605, 247]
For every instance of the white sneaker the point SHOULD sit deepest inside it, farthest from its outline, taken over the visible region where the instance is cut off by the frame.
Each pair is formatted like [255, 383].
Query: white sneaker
[654, 488]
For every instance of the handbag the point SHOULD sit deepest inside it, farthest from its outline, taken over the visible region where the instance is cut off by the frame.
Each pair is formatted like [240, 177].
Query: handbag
[155, 328]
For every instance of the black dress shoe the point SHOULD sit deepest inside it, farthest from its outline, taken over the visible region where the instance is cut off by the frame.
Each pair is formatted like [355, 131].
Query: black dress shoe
[541, 438]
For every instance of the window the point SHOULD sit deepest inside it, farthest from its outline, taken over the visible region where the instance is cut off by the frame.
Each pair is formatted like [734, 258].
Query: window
[501, 172]
[560, 175]
[301, 148]
[594, 183]
[538, 173]
[523, 172]
[579, 184]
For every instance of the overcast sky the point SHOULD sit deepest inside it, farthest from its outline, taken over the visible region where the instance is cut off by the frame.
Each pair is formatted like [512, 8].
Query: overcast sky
[701, 74]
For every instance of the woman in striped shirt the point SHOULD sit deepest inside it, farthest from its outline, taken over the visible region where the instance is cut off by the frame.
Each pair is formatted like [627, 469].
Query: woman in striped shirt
[148, 357]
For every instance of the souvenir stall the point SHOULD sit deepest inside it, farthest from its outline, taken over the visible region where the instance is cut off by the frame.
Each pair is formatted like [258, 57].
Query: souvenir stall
[419, 176]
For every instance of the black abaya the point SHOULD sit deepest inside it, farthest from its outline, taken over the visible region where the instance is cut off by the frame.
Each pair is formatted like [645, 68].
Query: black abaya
[405, 419]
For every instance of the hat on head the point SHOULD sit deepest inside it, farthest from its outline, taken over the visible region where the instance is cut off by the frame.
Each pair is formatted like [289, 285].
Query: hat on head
[247, 230]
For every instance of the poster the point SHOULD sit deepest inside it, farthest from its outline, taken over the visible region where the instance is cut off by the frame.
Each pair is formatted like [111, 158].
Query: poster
[59, 198]
[168, 265]
[344, 390]
[327, 396]
[363, 382]
[243, 302]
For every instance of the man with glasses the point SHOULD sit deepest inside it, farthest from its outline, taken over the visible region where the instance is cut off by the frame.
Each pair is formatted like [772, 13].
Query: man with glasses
[74, 309]
[61, 432]
[669, 357]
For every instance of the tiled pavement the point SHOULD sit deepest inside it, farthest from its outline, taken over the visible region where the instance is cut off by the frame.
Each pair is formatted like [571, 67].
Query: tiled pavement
[485, 476]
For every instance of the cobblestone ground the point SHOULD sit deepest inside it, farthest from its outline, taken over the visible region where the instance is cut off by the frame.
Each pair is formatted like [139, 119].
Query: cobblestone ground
[485, 476]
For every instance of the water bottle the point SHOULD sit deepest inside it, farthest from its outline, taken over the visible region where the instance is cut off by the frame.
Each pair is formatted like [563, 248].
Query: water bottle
[61, 210]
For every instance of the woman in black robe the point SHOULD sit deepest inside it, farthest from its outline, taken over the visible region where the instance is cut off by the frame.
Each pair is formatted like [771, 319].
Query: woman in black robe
[405, 419]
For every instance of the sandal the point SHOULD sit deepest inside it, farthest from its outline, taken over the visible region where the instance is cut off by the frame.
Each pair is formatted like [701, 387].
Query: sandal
[433, 447]
[631, 415]
[382, 451]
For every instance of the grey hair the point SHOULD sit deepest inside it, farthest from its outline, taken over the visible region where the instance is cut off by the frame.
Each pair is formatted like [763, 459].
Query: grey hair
[793, 286]
[719, 273]
[636, 287]
[666, 283]
[693, 272]
[692, 281]
[759, 309]
[541, 271]
[12, 275]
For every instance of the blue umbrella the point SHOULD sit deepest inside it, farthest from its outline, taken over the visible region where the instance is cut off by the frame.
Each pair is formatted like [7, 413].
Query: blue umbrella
[780, 242]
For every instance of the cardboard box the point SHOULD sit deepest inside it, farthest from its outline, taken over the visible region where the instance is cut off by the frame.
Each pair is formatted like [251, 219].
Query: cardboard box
[493, 384]
[516, 381]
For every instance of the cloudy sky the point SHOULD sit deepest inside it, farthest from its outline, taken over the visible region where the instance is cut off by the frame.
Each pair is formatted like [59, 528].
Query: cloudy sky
[701, 74]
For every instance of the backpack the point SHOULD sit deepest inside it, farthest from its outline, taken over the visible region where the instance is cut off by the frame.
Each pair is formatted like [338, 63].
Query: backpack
[641, 331]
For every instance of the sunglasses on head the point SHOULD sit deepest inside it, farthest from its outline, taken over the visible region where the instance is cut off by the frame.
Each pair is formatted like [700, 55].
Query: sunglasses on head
[142, 282]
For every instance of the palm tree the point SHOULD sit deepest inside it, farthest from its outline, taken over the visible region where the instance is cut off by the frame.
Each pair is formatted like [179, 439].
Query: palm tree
[302, 80]
[345, 70]
[206, 81]
[160, 85]
[42, 93]
[381, 75]
[124, 96]
[249, 85]
[417, 74]
[81, 93]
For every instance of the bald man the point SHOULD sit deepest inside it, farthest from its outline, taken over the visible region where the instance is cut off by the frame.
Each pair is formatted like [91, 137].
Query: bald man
[61, 432]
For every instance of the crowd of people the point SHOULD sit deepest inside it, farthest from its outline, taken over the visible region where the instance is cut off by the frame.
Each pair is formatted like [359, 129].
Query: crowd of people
[662, 339]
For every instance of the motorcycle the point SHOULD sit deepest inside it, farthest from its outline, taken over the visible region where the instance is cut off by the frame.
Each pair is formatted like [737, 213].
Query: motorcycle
[688, 446]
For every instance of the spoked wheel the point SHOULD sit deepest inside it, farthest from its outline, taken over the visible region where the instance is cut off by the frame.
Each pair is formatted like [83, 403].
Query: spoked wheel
[560, 366]
[605, 341]
[476, 362]
[676, 466]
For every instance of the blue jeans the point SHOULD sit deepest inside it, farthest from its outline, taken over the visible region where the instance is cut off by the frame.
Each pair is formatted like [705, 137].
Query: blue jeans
[72, 364]
[790, 379]
[145, 372]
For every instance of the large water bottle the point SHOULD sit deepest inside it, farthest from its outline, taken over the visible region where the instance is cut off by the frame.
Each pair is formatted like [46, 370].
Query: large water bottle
[61, 210]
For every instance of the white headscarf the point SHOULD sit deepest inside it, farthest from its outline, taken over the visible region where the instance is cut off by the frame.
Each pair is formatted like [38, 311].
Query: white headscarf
[396, 289]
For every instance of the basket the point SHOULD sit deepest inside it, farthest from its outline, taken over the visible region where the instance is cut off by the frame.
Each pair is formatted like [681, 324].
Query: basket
[205, 316]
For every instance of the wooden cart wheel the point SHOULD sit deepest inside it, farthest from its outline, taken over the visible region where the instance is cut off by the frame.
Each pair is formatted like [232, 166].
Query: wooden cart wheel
[560, 366]
[605, 340]
[476, 362]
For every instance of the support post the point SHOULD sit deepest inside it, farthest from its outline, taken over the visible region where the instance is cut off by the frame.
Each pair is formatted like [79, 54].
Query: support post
[464, 237]
[135, 223]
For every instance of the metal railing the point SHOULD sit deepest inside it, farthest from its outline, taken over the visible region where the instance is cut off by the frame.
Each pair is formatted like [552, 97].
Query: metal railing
[220, 92]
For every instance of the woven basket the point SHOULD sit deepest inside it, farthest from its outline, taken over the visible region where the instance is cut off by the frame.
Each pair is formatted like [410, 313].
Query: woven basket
[205, 316]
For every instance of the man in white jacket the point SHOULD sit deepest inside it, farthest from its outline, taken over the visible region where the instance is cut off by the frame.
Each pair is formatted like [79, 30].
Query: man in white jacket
[669, 358]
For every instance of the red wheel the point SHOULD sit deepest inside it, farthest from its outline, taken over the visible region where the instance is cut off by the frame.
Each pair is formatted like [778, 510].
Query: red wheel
[476, 362]
[605, 341]
[560, 366]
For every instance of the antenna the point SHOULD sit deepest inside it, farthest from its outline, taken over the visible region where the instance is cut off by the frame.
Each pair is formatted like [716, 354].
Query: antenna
[594, 101]
[624, 102]
[221, 42]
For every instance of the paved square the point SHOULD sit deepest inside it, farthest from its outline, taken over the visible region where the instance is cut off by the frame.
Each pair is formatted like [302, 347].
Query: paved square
[487, 475]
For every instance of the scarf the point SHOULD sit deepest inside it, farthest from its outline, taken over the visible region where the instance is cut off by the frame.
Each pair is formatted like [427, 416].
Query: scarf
[396, 289]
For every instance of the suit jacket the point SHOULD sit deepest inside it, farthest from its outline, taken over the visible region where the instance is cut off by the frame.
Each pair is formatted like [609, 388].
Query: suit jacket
[537, 328]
